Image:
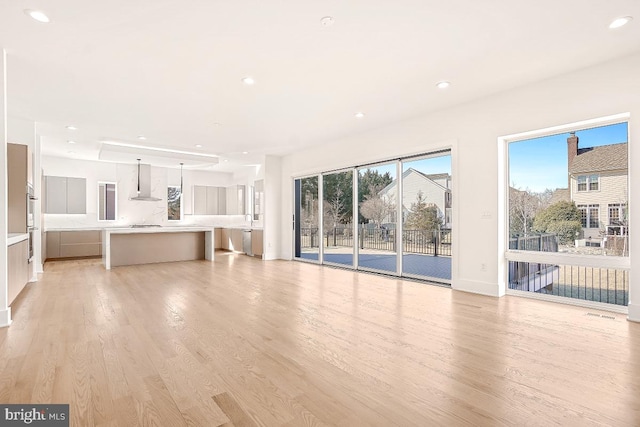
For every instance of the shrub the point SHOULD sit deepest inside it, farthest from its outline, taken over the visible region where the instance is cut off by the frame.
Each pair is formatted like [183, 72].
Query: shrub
[567, 231]
[558, 212]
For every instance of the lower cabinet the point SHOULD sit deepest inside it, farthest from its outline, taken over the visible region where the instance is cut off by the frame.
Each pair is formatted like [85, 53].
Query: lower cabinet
[256, 243]
[73, 244]
[18, 269]
[232, 239]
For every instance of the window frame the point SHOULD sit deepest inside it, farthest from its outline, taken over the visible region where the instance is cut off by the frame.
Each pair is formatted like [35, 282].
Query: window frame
[180, 201]
[506, 255]
[115, 207]
[587, 182]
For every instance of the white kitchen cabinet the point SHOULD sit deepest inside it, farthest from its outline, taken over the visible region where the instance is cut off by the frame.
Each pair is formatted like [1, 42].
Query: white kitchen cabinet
[76, 195]
[199, 200]
[235, 199]
[212, 201]
[65, 195]
[209, 200]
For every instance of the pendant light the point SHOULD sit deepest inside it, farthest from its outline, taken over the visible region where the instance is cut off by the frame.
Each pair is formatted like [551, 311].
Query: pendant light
[138, 176]
[181, 178]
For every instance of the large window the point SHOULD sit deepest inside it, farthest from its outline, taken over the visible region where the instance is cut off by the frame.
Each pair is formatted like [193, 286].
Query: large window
[394, 217]
[566, 205]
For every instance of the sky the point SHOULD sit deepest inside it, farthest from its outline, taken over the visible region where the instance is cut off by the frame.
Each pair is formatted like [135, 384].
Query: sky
[541, 163]
[432, 165]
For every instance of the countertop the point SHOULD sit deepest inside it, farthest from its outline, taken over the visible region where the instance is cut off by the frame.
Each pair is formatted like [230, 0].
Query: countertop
[170, 227]
[13, 238]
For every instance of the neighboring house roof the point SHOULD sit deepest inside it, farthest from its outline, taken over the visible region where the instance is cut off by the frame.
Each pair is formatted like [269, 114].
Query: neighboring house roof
[600, 159]
[429, 177]
[560, 195]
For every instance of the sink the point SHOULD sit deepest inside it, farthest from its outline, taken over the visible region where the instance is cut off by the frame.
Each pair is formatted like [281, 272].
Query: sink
[144, 225]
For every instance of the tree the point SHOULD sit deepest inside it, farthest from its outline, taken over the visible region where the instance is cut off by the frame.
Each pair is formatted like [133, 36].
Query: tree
[423, 215]
[173, 203]
[375, 207]
[561, 218]
[370, 183]
[334, 210]
[523, 206]
[338, 192]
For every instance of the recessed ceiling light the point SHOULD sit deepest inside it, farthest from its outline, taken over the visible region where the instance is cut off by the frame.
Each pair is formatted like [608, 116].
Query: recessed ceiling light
[71, 142]
[225, 160]
[71, 152]
[245, 152]
[38, 15]
[217, 123]
[142, 137]
[359, 114]
[198, 145]
[443, 84]
[327, 21]
[248, 80]
[619, 22]
[72, 127]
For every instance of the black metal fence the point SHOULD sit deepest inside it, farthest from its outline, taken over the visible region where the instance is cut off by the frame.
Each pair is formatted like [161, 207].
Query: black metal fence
[437, 242]
[587, 283]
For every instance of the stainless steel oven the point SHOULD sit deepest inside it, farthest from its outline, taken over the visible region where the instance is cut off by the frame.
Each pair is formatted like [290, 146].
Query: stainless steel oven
[31, 228]
[31, 204]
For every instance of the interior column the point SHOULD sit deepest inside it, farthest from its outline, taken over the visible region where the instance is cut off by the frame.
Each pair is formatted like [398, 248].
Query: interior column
[5, 310]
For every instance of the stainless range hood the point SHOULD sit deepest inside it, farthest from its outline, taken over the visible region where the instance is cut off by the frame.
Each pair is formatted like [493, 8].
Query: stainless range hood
[143, 190]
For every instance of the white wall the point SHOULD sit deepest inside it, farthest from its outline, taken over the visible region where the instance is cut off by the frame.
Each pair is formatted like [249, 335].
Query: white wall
[471, 130]
[135, 212]
[275, 209]
[5, 311]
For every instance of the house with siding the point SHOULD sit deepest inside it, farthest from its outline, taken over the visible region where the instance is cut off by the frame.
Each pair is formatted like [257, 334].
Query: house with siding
[598, 179]
[435, 188]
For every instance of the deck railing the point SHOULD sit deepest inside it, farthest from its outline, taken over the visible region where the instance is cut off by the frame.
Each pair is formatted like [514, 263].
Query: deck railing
[437, 242]
[587, 283]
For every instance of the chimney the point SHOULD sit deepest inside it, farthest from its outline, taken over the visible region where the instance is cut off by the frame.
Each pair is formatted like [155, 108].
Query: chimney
[572, 152]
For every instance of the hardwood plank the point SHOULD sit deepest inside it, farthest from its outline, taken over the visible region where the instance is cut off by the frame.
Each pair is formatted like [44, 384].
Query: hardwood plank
[230, 407]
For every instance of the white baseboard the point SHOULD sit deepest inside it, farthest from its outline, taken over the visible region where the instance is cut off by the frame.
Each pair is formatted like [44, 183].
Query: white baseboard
[475, 287]
[5, 317]
[634, 312]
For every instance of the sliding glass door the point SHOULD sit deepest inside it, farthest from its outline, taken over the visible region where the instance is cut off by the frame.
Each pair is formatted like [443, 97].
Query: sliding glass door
[306, 219]
[337, 214]
[393, 218]
[427, 217]
[377, 196]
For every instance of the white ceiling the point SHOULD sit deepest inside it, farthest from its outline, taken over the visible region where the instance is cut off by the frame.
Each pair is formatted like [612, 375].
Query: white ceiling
[171, 70]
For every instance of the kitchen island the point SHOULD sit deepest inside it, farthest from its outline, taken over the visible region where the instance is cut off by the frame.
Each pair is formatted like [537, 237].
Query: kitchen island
[147, 245]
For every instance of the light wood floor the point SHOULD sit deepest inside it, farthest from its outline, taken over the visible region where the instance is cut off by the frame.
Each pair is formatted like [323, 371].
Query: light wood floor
[244, 342]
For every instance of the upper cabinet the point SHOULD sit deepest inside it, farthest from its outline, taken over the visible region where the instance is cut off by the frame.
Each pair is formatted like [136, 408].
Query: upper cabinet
[65, 195]
[17, 192]
[235, 199]
[209, 200]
